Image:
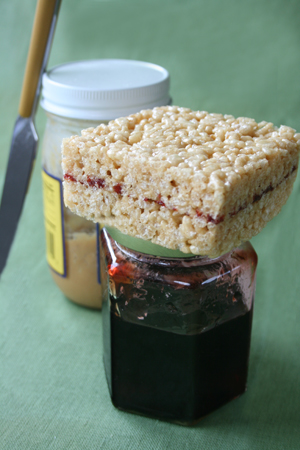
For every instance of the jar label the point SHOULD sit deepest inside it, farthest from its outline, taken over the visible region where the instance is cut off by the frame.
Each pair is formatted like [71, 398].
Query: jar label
[53, 215]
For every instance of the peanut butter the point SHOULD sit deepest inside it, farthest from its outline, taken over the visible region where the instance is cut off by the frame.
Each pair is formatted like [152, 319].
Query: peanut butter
[81, 285]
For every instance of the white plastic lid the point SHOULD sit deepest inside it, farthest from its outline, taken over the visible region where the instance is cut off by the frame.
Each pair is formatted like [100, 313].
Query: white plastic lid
[104, 89]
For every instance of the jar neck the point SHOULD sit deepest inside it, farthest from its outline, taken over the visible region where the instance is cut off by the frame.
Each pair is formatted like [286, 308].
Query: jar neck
[167, 261]
[80, 123]
[149, 253]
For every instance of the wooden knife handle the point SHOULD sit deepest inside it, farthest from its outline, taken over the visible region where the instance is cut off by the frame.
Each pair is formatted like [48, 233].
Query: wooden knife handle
[39, 38]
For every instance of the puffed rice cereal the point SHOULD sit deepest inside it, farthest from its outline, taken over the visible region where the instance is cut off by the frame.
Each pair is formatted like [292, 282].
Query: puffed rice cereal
[188, 180]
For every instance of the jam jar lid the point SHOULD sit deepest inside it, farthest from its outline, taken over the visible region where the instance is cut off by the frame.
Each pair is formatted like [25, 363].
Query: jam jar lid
[143, 246]
[104, 89]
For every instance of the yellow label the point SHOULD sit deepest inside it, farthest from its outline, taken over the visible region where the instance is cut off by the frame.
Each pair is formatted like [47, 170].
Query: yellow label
[53, 214]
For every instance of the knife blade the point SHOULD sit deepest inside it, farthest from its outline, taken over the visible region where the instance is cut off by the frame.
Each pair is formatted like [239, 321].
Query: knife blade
[21, 158]
[25, 139]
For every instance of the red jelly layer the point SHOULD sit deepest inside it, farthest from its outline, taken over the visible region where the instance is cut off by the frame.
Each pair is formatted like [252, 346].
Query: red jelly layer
[118, 188]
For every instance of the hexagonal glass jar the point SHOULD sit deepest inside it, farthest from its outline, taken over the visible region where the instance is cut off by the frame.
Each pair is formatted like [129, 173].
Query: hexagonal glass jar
[176, 330]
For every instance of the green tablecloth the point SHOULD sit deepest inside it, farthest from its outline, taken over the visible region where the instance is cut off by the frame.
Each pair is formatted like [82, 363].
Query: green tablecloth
[236, 57]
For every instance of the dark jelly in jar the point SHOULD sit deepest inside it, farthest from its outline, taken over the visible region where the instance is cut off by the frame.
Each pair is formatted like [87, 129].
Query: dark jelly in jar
[176, 330]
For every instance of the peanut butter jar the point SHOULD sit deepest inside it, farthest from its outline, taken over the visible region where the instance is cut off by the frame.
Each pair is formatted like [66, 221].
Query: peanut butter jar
[76, 96]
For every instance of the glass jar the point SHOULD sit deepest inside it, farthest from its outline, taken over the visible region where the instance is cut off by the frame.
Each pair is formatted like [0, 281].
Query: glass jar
[76, 96]
[176, 330]
[77, 277]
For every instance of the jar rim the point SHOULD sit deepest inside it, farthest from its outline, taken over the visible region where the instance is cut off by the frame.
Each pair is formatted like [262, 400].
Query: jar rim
[165, 260]
[168, 257]
[145, 246]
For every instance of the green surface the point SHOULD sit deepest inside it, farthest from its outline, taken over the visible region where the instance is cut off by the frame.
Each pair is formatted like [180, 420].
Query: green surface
[238, 57]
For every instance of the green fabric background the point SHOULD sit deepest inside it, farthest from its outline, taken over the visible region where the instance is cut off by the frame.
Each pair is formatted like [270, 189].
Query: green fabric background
[237, 57]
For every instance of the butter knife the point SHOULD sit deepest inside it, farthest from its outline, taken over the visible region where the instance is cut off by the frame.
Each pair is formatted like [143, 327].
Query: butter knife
[25, 139]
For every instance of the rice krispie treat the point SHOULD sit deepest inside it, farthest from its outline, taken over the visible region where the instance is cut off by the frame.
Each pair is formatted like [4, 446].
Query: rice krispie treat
[188, 180]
